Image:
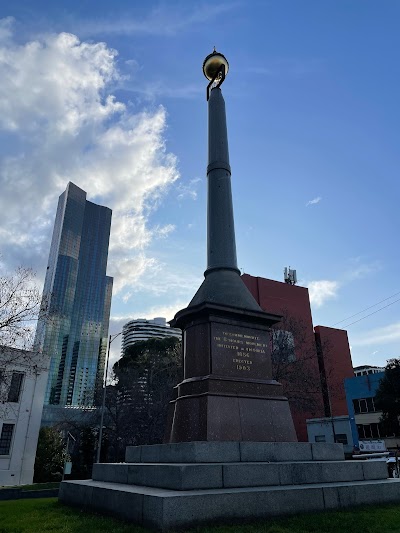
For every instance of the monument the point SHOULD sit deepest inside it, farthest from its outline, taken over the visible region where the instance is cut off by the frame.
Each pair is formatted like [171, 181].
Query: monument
[228, 392]
[231, 453]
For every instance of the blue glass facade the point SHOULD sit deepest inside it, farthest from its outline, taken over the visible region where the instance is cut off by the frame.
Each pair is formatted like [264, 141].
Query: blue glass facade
[364, 388]
[73, 330]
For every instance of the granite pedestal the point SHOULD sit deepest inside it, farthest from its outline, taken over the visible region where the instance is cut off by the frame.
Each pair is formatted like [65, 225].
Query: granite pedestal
[172, 486]
[228, 393]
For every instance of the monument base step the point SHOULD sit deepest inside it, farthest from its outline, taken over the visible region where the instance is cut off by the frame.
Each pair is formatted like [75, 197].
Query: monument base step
[163, 509]
[234, 451]
[193, 476]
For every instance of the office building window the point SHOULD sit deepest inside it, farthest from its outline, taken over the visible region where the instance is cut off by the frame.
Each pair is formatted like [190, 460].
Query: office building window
[368, 431]
[15, 387]
[6, 438]
[364, 405]
[341, 438]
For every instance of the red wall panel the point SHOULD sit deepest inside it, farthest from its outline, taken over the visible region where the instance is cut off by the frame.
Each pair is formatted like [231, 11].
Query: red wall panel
[337, 363]
[294, 301]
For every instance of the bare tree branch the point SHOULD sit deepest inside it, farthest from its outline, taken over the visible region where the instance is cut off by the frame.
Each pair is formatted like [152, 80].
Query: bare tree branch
[20, 305]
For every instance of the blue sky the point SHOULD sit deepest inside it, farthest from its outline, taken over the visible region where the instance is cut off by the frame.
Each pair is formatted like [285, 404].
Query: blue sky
[112, 97]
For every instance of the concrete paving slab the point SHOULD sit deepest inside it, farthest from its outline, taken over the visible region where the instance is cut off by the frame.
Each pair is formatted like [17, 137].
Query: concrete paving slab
[324, 451]
[190, 452]
[176, 476]
[272, 451]
[113, 472]
[374, 469]
[117, 501]
[133, 454]
[250, 474]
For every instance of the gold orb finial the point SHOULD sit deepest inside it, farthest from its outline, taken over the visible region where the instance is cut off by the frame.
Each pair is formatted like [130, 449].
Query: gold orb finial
[213, 63]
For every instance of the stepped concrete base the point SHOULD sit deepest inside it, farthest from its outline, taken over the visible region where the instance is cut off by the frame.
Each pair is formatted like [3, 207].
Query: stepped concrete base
[179, 485]
[163, 509]
[226, 452]
[231, 475]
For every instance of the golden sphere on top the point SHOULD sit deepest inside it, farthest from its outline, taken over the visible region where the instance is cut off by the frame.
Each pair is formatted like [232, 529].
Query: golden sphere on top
[213, 63]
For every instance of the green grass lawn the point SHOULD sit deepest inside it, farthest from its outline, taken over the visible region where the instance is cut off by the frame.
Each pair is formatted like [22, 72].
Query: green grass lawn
[47, 514]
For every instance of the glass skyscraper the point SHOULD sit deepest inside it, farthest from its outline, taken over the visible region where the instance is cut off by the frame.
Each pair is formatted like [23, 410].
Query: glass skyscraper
[73, 328]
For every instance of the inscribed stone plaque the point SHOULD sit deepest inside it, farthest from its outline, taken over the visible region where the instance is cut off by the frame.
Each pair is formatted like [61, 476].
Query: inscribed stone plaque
[240, 352]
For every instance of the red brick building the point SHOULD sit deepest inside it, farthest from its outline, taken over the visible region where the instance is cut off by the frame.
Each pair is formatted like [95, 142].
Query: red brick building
[324, 351]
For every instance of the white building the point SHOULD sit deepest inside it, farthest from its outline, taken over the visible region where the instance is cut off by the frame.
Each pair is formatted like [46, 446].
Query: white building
[331, 429]
[23, 377]
[141, 329]
[366, 370]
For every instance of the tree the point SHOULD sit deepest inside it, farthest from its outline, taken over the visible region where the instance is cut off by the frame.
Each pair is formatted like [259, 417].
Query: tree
[83, 451]
[20, 304]
[387, 398]
[138, 403]
[83, 427]
[50, 456]
[295, 364]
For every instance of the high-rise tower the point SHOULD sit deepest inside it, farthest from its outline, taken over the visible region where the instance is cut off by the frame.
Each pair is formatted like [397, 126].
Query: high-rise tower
[141, 329]
[74, 327]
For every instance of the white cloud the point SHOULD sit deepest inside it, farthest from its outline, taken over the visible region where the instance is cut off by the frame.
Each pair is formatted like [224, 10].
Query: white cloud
[63, 124]
[163, 231]
[156, 280]
[6, 28]
[384, 335]
[359, 269]
[322, 290]
[314, 201]
[162, 88]
[188, 190]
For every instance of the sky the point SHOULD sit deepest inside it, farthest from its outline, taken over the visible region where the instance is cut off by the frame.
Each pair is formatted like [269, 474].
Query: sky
[111, 96]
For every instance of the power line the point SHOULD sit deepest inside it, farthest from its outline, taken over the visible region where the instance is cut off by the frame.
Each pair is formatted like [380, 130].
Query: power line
[367, 308]
[366, 316]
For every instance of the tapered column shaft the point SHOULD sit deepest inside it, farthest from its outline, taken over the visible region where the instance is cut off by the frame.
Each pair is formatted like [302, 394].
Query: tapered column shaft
[221, 245]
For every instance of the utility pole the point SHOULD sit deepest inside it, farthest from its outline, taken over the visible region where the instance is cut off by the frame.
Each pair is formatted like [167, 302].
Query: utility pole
[111, 338]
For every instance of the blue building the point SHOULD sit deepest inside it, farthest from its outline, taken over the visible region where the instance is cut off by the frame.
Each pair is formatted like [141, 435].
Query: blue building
[73, 329]
[360, 394]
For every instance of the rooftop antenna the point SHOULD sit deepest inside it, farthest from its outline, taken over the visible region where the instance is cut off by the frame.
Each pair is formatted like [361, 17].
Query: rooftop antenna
[290, 276]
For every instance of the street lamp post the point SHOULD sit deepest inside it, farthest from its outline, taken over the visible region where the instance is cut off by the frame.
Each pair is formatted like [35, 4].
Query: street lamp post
[111, 338]
[69, 435]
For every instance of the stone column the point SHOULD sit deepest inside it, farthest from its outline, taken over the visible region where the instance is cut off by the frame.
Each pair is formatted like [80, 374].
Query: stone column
[228, 393]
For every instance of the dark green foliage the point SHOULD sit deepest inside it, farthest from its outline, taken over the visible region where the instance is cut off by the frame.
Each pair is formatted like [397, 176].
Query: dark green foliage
[157, 353]
[138, 403]
[387, 398]
[50, 456]
[83, 452]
